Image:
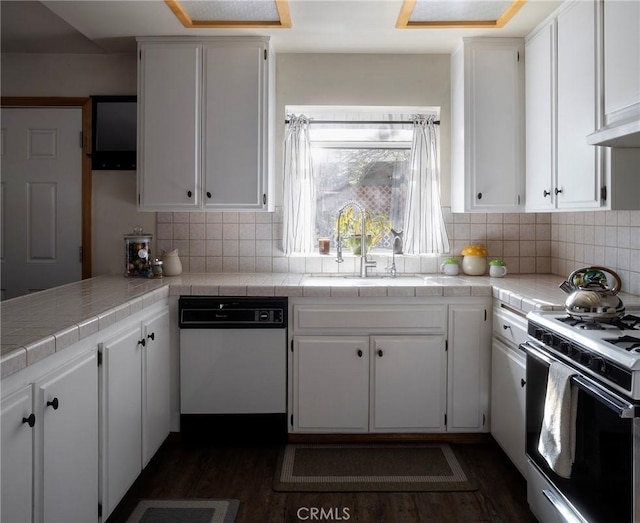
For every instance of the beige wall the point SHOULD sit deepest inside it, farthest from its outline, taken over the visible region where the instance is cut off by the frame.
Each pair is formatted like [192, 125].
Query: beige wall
[114, 192]
[365, 79]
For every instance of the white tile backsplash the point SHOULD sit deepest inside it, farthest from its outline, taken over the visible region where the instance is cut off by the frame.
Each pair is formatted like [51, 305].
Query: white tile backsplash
[251, 242]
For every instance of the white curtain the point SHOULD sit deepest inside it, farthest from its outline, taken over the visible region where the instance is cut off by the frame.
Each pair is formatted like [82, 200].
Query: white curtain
[299, 188]
[424, 229]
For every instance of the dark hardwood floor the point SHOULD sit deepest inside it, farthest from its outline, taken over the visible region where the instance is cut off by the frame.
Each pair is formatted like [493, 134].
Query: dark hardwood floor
[245, 472]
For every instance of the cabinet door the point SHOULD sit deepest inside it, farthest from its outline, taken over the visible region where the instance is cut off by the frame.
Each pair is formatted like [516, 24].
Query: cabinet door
[508, 402]
[69, 402]
[579, 171]
[235, 107]
[408, 389]
[540, 120]
[330, 384]
[621, 59]
[469, 368]
[169, 91]
[496, 127]
[156, 395]
[121, 416]
[17, 456]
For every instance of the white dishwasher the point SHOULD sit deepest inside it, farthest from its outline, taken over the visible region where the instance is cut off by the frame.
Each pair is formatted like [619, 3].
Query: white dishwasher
[233, 361]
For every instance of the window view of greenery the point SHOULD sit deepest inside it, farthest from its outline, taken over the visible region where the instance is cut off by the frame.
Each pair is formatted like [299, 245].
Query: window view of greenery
[368, 165]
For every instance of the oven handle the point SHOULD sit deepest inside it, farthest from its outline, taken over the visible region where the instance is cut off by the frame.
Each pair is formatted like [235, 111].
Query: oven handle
[622, 408]
[565, 512]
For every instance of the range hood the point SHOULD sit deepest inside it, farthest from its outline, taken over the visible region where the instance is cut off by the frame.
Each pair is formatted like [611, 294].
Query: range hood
[622, 130]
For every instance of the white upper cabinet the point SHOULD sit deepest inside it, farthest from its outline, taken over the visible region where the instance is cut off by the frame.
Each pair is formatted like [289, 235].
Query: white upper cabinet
[563, 109]
[540, 119]
[621, 123]
[205, 117]
[487, 113]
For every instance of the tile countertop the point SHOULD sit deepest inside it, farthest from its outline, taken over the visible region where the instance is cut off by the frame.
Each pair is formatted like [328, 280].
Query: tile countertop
[37, 325]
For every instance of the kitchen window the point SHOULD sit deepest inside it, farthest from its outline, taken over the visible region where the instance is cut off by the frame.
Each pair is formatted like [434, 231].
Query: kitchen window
[367, 155]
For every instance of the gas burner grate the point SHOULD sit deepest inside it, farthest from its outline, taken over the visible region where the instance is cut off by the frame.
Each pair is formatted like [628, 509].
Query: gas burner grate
[628, 322]
[628, 343]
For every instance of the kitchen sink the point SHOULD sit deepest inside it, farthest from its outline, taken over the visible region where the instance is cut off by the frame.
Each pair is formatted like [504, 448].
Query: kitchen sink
[357, 281]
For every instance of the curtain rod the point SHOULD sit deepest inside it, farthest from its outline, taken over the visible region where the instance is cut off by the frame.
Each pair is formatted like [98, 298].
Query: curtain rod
[374, 122]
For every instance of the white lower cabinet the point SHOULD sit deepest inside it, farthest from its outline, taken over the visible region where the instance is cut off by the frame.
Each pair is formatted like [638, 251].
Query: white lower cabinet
[369, 384]
[156, 378]
[331, 384]
[469, 367]
[50, 446]
[408, 383]
[121, 415]
[17, 425]
[135, 403]
[508, 369]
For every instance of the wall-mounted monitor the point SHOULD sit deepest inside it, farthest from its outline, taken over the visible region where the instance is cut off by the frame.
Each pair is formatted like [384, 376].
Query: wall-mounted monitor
[114, 133]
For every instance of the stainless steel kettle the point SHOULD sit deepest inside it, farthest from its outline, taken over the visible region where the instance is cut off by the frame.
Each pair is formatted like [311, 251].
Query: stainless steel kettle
[590, 298]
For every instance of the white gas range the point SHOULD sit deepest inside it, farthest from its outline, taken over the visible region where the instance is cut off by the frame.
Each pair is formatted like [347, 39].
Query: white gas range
[607, 350]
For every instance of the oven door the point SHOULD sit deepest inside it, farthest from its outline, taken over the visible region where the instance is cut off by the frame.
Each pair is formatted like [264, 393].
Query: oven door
[601, 487]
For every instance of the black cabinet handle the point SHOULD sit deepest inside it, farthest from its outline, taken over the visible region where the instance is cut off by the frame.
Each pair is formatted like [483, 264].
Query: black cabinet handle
[546, 193]
[208, 194]
[505, 327]
[479, 196]
[53, 403]
[380, 353]
[142, 342]
[359, 353]
[522, 382]
[31, 420]
[558, 191]
[189, 194]
[151, 336]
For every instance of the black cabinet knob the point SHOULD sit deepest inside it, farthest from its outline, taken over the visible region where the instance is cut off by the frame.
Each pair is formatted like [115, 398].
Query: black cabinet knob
[557, 191]
[208, 194]
[505, 327]
[546, 193]
[380, 353]
[359, 353]
[142, 342]
[479, 196]
[151, 336]
[31, 420]
[189, 194]
[53, 403]
[523, 382]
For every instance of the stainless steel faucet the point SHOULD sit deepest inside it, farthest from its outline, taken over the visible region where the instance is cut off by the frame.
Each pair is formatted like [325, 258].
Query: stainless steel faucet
[365, 263]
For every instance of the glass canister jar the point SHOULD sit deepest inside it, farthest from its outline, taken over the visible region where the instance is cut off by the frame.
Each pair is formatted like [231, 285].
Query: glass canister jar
[137, 253]
[474, 261]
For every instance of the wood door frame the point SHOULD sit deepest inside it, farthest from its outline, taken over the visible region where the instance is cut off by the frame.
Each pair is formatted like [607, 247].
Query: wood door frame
[85, 104]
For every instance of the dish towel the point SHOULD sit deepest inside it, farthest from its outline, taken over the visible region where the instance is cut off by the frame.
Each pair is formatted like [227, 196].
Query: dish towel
[558, 434]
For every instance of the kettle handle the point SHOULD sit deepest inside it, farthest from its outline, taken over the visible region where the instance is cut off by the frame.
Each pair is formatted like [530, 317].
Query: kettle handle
[617, 286]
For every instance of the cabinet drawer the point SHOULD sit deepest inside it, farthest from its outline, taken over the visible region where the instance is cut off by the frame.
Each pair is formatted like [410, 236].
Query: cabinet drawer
[509, 326]
[372, 318]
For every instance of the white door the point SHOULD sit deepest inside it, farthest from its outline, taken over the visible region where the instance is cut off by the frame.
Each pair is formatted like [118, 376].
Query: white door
[70, 474]
[17, 456]
[41, 198]
[156, 421]
[121, 416]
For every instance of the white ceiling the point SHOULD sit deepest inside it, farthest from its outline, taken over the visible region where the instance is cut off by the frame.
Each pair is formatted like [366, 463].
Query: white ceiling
[318, 26]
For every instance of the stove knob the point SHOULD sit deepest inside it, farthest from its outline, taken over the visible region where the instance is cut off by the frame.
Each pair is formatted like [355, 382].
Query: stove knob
[537, 334]
[599, 365]
[565, 347]
[547, 339]
[586, 359]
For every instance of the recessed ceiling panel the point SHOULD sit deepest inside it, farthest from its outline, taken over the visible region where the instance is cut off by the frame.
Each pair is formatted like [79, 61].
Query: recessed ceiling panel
[457, 13]
[231, 13]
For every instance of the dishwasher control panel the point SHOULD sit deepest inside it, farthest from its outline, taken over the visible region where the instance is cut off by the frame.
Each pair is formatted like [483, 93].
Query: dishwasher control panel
[211, 312]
